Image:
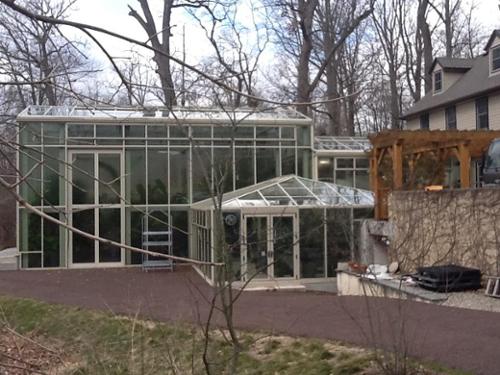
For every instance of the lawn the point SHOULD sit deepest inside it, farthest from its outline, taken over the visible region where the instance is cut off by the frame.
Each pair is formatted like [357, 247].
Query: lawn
[46, 338]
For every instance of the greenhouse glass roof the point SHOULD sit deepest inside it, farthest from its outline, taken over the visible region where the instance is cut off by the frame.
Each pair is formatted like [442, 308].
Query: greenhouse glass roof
[72, 113]
[342, 144]
[295, 191]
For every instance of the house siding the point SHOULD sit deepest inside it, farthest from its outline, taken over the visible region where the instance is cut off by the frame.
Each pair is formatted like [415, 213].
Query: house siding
[466, 116]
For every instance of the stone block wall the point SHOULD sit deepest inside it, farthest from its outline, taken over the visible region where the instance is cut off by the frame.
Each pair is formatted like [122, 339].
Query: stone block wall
[447, 227]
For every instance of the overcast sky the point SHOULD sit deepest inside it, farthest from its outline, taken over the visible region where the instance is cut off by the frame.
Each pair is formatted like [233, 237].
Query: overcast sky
[113, 15]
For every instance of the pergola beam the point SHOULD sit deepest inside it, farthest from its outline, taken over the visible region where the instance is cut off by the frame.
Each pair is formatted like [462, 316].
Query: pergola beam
[395, 145]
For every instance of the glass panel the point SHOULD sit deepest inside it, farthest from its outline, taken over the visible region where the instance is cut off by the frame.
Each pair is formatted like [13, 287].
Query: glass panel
[30, 188]
[344, 178]
[223, 168]
[80, 130]
[109, 178]
[287, 161]
[267, 163]
[157, 176]
[232, 232]
[31, 260]
[267, 132]
[158, 220]
[339, 236]
[304, 163]
[304, 136]
[51, 242]
[244, 167]
[312, 250]
[202, 174]
[31, 232]
[362, 163]
[362, 180]
[157, 131]
[109, 131]
[83, 248]
[136, 176]
[224, 131]
[179, 175]
[257, 265]
[345, 163]
[288, 133]
[134, 131]
[325, 169]
[275, 196]
[83, 178]
[252, 200]
[53, 134]
[283, 246]
[134, 234]
[180, 239]
[294, 188]
[30, 134]
[179, 131]
[109, 228]
[53, 176]
[201, 131]
[244, 132]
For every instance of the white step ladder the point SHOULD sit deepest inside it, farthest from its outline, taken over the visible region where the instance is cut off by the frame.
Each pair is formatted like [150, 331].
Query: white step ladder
[161, 242]
[493, 286]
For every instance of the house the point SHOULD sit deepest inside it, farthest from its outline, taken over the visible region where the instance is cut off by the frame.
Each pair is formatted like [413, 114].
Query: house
[123, 174]
[465, 93]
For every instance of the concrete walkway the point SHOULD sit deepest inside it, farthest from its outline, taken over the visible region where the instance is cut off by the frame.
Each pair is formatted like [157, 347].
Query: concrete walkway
[460, 338]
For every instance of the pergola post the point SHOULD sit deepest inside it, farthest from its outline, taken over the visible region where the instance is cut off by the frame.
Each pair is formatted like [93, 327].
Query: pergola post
[374, 182]
[464, 159]
[397, 165]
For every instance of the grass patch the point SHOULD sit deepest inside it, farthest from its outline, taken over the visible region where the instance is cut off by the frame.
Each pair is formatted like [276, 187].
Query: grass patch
[91, 342]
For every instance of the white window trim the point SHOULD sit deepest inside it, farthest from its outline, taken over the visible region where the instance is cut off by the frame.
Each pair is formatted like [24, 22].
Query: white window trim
[434, 91]
[490, 61]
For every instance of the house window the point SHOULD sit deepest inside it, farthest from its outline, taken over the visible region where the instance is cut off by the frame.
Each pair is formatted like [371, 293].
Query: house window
[451, 117]
[424, 121]
[438, 81]
[482, 113]
[495, 59]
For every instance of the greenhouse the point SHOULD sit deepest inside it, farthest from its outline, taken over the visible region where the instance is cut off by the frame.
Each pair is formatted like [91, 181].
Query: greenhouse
[145, 177]
[286, 228]
[118, 173]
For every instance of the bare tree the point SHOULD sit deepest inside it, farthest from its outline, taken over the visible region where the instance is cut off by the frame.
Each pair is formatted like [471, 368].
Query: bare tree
[36, 58]
[237, 47]
[385, 18]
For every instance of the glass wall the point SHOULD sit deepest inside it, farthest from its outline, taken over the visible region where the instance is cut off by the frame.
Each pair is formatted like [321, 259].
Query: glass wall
[166, 167]
[345, 171]
[326, 236]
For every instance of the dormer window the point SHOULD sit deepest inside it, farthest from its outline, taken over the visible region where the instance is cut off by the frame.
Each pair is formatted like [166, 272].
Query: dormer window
[438, 81]
[495, 59]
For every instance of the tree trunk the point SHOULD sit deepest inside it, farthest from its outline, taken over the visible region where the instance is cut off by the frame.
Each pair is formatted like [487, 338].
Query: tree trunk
[306, 10]
[424, 29]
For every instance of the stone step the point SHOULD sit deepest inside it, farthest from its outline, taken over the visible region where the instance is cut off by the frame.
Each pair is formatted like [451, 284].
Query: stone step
[11, 266]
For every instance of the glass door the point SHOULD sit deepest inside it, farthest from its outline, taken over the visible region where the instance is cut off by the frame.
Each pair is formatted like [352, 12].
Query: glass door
[96, 207]
[271, 247]
[257, 244]
[283, 246]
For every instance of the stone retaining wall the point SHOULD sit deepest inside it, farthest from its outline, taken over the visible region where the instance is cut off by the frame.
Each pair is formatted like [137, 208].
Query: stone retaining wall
[452, 226]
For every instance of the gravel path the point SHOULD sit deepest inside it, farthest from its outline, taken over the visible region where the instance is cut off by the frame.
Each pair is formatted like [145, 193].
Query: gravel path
[460, 338]
[473, 300]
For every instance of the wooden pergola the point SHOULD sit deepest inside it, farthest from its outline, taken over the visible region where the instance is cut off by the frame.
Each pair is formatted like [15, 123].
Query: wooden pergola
[396, 152]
